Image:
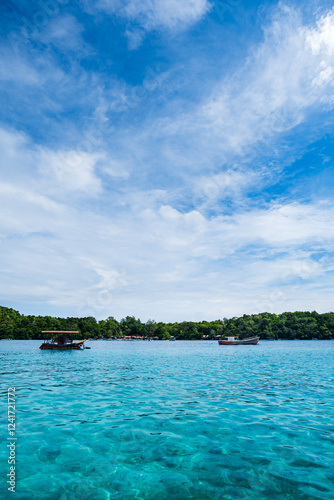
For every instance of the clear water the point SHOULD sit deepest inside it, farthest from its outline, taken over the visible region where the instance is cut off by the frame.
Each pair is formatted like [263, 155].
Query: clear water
[171, 420]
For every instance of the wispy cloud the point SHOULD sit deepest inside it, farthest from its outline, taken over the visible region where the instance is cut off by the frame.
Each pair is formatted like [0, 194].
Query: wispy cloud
[223, 265]
[152, 14]
[147, 15]
[283, 82]
[70, 170]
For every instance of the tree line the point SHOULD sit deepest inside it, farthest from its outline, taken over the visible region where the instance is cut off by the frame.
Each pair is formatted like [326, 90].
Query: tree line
[288, 325]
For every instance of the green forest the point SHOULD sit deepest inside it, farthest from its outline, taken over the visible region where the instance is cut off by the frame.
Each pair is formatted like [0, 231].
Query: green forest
[289, 326]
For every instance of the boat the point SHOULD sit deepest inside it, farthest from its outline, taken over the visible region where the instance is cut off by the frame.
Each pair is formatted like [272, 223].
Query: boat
[236, 341]
[61, 340]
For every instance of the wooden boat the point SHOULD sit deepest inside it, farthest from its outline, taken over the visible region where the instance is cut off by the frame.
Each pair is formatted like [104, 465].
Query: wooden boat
[60, 342]
[235, 341]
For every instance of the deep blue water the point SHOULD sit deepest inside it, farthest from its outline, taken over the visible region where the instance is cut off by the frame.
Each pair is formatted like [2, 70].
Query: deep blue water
[170, 420]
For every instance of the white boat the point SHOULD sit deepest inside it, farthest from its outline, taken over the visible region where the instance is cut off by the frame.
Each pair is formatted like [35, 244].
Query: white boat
[236, 341]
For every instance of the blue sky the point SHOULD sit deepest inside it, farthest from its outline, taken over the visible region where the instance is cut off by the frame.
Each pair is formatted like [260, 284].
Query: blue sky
[170, 160]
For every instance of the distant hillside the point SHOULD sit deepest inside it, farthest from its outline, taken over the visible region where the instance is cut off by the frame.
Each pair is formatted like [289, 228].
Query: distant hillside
[289, 325]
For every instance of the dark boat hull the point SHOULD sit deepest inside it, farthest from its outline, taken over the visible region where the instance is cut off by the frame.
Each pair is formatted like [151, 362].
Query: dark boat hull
[249, 341]
[58, 347]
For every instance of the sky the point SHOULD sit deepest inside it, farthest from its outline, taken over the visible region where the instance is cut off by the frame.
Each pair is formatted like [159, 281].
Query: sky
[166, 159]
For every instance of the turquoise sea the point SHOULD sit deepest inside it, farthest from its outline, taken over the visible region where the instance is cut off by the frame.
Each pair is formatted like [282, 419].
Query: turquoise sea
[170, 420]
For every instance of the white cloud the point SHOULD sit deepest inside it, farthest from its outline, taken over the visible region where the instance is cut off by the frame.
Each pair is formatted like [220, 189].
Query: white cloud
[150, 15]
[65, 33]
[178, 265]
[275, 89]
[11, 143]
[321, 38]
[110, 279]
[23, 211]
[71, 170]
[165, 13]
[233, 183]
[283, 81]
[15, 69]
[116, 169]
[26, 195]
[146, 255]
[278, 227]
[325, 76]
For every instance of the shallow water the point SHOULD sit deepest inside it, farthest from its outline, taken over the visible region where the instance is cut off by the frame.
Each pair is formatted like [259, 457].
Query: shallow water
[170, 420]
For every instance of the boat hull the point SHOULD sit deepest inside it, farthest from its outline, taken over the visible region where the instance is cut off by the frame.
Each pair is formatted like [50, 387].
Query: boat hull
[61, 347]
[249, 341]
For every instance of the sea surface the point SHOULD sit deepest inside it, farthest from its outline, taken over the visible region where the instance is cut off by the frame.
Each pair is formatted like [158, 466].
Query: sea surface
[170, 420]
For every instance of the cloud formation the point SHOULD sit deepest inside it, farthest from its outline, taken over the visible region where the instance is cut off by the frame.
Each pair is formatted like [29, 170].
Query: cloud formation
[71, 170]
[124, 191]
[153, 14]
[148, 15]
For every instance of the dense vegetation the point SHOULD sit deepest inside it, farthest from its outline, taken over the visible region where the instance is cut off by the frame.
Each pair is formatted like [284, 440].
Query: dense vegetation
[290, 325]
